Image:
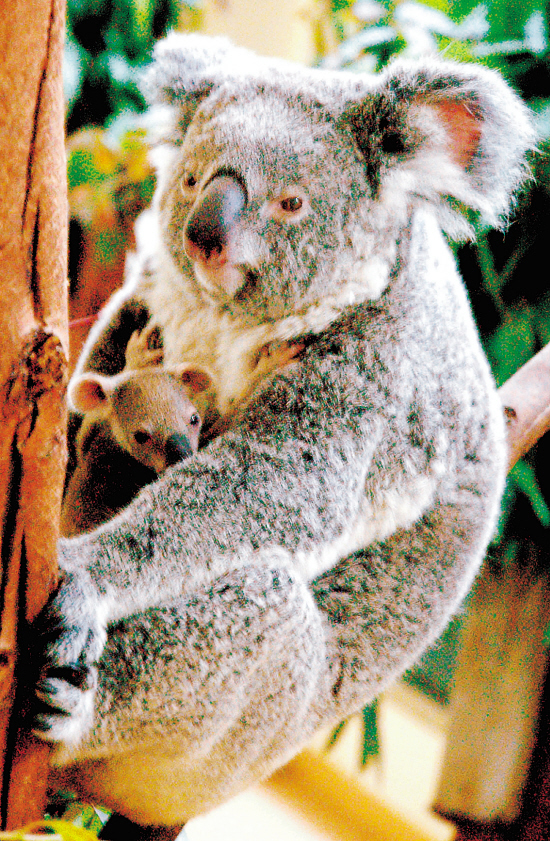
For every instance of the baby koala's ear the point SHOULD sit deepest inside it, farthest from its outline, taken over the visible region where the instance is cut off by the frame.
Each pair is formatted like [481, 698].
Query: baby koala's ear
[90, 391]
[194, 377]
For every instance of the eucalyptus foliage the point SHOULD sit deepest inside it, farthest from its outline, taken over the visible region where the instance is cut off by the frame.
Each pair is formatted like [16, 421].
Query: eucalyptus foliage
[107, 41]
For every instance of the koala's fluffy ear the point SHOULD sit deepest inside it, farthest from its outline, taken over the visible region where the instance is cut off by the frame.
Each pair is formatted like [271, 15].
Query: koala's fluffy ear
[185, 70]
[441, 131]
[90, 391]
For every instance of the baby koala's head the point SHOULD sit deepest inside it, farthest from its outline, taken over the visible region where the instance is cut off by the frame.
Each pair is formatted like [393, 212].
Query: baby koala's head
[149, 412]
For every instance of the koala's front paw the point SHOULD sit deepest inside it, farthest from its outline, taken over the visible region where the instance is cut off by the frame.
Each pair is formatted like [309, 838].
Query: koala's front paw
[144, 349]
[71, 637]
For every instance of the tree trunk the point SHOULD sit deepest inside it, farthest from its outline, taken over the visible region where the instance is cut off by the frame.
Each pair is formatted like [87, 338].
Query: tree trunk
[33, 361]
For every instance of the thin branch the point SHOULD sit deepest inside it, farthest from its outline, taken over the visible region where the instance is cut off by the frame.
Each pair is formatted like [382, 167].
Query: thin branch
[526, 400]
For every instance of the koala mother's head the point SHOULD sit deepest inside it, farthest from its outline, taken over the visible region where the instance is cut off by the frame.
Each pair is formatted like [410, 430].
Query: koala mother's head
[283, 186]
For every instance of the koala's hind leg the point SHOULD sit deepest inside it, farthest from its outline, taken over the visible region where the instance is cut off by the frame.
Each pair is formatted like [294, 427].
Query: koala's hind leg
[247, 654]
[119, 828]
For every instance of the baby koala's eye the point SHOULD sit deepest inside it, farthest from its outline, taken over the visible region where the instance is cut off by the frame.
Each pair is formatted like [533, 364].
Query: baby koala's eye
[194, 420]
[292, 204]
[141, 437]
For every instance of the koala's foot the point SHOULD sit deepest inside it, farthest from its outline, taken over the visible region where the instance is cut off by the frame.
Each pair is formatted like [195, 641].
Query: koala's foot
[71, 637]
[144, 348]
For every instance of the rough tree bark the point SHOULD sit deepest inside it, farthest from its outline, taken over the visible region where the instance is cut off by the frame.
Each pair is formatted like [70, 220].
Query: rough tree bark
[33, 359]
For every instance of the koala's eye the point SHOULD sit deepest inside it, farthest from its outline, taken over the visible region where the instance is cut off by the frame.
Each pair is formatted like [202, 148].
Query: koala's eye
[141, 437]
[194, 420]
[290, 207]
[292, 204]
[393, 143]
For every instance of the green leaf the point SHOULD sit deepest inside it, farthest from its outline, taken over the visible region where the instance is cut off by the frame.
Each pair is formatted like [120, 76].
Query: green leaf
[424, 17]
[54, 828]
[491, 278]
[506, 504]
[510, 554]
[143, 17]
[509, 17]
[85, 816]
[371, 743]
[336, 733]
[512, 344]
[82, 169]
[110, 244]
[542, 321]
[523, 476]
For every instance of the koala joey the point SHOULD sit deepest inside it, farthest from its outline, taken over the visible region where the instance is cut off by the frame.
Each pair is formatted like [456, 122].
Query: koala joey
[138, 423]
[296, 564]
[135, 425]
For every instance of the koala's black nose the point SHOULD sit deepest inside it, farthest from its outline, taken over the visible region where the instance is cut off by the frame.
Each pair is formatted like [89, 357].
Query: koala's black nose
[177, 448]
[210, 225]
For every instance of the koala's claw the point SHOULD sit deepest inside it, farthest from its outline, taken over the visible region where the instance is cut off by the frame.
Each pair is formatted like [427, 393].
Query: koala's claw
[78, 676]
[144, 348]
[63, 713]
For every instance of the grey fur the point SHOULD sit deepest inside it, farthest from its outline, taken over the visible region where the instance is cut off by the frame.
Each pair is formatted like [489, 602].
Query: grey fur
[372, 467]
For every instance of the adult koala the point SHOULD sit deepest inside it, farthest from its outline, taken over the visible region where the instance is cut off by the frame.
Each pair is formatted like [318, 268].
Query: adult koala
[187, 652]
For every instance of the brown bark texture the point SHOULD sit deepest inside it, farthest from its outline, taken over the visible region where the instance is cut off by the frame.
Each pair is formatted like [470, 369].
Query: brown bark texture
[33, 361]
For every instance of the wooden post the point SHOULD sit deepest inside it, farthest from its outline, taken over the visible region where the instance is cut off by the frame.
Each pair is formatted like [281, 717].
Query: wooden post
[495, 705]
[495, 701]
[33, 361]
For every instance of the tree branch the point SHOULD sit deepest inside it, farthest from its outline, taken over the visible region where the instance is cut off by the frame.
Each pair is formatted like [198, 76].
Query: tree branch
[526, 400]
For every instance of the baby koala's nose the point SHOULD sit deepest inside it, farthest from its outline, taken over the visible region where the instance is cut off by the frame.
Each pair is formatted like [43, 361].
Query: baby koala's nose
[177, 448]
